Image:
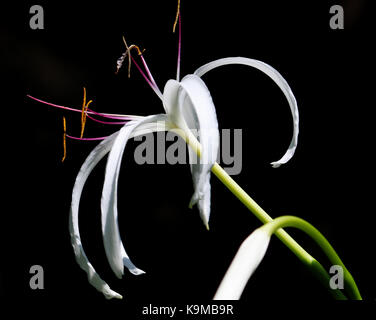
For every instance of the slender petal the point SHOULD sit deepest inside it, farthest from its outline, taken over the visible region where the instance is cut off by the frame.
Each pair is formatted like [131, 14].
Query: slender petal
[245, 262]
[190, 106]
[95, 156]
[92, 160]
[114, 248]
[279, 80]
[199, 113]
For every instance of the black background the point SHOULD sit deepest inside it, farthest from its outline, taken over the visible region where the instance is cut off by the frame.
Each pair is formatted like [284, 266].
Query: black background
[329, 182]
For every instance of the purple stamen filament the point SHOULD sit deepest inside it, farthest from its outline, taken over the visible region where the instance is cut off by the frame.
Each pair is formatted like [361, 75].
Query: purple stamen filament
[86, 139]
[149, 73]
[179, 50]
[106, 122]
[149, 79]
[89, 111]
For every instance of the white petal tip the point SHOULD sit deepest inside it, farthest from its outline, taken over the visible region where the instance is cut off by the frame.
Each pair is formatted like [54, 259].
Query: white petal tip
[110, 294]
[118, 273]
[275, 164]
[204, 215]
[136, 271]
[118, 296]
[193, 201]
[205, 220]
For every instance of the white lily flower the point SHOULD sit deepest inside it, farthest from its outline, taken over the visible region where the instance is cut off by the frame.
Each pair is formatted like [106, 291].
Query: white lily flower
[189, 108]
[244, 264]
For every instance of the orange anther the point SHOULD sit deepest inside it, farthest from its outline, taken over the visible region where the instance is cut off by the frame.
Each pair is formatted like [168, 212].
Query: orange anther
[64, 140]
[177, 17]
[83, 113]
[128, 53]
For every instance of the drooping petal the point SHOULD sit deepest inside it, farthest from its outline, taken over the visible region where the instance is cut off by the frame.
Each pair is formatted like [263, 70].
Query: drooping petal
[279, 80]
[95, 156]
[199, 113]
[92, 160]
[114, 248]
[190, 106]
[244, 264]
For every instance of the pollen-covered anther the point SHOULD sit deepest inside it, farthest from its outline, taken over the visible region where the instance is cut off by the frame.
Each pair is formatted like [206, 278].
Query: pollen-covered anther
[133, 46]
[177, 17]
[85, 107]
[64, 139]
[127, 53]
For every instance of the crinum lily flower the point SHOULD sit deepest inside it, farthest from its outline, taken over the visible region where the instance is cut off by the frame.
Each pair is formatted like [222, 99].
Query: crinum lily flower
[188, 107]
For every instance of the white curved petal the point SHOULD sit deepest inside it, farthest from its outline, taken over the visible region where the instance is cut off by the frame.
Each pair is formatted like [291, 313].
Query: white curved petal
[198, 110]
[115, 252]
[95, 156]
[244, 264]
[171, 104]
[159, 125]
[92, 160]
[279, 80]
[190, 107]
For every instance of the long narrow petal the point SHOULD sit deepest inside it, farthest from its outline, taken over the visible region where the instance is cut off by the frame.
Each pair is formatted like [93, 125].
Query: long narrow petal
[95, 156]
[199, 112]
[114, 248]
[190, 106]
[279, 80]
[92, 160]
[244, 264]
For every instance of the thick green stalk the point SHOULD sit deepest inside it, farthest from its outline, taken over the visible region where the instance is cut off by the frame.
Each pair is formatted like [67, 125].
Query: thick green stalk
[313, 265]
[316, 235]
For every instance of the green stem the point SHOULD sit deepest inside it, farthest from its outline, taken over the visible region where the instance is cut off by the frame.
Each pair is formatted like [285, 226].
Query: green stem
[316, 235]
[313, 265]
